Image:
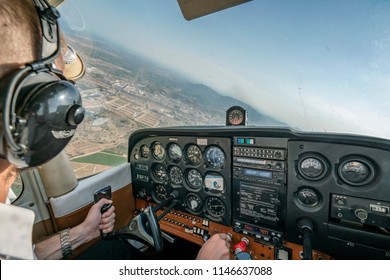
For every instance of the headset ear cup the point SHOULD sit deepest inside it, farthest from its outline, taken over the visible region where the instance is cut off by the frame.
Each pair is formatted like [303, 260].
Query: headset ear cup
[42, 107]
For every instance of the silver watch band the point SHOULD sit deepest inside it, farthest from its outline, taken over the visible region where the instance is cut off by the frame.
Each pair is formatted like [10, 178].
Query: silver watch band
[66, 244]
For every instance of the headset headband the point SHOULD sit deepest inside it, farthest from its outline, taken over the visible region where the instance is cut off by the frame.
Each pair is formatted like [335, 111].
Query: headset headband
[48, 16]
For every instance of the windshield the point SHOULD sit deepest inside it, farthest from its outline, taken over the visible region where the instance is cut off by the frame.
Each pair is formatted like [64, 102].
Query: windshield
[318, 66]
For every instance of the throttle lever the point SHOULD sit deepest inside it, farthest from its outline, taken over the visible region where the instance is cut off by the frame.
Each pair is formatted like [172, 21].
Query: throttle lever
[99, 194]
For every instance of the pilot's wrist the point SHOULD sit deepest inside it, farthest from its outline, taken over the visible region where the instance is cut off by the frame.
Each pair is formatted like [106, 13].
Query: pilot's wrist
[80, 235]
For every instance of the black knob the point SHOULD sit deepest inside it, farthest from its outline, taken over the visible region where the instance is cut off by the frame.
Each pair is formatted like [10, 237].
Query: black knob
[76, 114]
[361, 214]
[237, 228]
[278, 154]
[275, 241]
[206, 237]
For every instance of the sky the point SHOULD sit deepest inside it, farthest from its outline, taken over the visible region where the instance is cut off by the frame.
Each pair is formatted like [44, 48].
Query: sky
[317, 65]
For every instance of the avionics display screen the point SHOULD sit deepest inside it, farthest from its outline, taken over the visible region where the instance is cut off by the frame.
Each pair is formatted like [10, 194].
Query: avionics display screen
[259, 205]
[257, 173]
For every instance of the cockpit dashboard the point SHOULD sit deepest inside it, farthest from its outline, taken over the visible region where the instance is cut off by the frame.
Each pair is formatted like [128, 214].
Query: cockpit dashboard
[267, 185]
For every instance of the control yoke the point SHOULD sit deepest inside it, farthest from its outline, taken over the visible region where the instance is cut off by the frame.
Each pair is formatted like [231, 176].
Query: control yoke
[144, 227]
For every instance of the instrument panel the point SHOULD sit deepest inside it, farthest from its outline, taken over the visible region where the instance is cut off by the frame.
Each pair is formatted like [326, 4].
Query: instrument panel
[198, 168]
[261, 182]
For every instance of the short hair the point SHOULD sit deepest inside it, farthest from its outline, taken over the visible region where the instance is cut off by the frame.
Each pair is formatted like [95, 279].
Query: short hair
[20, 33]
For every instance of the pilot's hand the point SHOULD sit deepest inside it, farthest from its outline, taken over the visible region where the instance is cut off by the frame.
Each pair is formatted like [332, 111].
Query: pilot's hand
[216, 248]
[96, 221]
[108, 219]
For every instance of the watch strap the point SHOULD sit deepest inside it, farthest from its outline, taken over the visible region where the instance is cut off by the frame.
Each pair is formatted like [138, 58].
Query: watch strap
[66, 243]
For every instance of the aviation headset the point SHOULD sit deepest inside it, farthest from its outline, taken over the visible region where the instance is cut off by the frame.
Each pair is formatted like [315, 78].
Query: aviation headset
[40, 108]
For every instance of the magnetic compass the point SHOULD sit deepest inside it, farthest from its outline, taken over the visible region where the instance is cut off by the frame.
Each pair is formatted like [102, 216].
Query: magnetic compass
[236, 115]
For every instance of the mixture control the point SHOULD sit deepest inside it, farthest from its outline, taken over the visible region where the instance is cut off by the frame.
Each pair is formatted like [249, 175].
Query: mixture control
[241, 246]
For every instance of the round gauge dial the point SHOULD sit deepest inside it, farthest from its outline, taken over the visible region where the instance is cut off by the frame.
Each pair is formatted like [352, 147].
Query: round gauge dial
[145, 152]
[194, 202]
[308, 197]
[160, 173]
[356, 172]
[160, 193]
[175, 175]
[194, 155]
[312, 167]
[236, 117]
[158, 151]
[215, 157]
[194, 179]
[215, 207]
[174, 153]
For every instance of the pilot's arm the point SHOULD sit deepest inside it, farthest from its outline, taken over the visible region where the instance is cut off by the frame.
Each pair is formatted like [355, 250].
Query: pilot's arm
[86, 231]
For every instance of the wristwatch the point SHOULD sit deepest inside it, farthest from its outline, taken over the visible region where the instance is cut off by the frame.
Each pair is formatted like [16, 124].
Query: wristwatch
[66, 244]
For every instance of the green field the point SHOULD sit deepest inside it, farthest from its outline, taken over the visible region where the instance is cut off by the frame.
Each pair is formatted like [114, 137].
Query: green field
[102, 158]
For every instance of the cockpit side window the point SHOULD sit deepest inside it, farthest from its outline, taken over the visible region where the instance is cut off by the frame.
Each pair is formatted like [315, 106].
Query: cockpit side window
[16, 190]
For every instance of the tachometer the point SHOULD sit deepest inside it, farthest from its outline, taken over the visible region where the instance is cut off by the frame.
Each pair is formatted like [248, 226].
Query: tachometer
[215, 157]
[194, 202]
[215, 207]
[194, 155]
[174, 152]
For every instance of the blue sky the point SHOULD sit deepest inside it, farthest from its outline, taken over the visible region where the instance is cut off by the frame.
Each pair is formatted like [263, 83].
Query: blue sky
[319, 65]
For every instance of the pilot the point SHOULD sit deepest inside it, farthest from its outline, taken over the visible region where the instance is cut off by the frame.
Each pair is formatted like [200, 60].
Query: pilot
[21, 43]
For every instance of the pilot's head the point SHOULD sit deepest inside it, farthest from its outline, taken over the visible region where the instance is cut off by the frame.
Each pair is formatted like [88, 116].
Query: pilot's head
[20, 35]
[40, 108]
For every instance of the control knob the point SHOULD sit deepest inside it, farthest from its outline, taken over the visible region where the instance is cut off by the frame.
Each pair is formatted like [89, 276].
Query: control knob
[237, 228]
[361, 214]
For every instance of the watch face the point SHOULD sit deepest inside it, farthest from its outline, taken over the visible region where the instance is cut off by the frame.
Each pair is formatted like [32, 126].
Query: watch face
[236, 117]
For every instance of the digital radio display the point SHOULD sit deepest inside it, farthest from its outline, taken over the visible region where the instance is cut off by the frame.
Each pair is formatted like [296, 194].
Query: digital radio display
[259, 205]
[257, 173]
